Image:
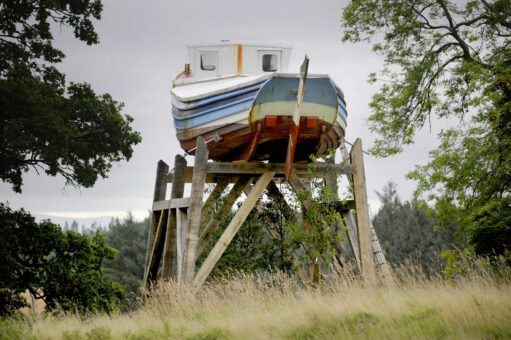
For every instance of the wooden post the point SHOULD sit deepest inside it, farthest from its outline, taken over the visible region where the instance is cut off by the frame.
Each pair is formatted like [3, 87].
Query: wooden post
[192, 238]
[158, 244]
[232, 229]
[331, 183]
[160, 189]
[169, 251]
[182, 227]
[364, 233]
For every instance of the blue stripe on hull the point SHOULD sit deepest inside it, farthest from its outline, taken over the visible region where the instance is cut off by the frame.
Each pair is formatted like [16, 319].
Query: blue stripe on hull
[187, 123]
[215, 98]
[205, 109]
[196, 113]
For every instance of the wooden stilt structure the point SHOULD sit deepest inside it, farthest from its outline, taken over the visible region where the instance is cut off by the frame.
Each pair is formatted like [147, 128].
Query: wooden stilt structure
[176, 239]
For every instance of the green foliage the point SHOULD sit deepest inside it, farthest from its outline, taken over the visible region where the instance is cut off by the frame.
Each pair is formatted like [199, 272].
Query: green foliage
[406, 231]
[260, 244]
[495, 238]
[318, 233]
[62, 268]
[44, 124]
[446, 59]
[129, 238]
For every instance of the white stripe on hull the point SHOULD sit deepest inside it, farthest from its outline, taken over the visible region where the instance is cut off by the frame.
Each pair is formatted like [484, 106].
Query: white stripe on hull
[285, 108]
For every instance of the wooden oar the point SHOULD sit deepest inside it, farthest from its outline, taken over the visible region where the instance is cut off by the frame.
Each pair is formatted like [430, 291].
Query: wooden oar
[293, 133]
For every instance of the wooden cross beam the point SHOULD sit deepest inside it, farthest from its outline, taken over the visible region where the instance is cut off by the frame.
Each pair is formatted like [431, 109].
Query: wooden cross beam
[232, 229]
[229, 170]
[226, 205]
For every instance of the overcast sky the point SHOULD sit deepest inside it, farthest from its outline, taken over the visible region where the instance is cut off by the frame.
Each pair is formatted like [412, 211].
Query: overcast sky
[143, 46]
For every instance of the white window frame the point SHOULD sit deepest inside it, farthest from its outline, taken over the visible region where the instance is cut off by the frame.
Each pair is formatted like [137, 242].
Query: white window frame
[261, 52]
[206, 73]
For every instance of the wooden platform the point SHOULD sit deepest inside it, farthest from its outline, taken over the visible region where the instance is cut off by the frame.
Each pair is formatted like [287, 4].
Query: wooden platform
[176, 239]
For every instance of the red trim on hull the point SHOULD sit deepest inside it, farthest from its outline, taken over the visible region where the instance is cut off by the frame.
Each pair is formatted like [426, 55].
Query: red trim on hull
[273, 142]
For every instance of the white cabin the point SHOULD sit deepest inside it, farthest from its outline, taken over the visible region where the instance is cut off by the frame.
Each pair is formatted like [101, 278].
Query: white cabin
[226, 59]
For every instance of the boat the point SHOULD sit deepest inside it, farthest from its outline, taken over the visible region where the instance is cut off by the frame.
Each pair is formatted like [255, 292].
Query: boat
[241, 100]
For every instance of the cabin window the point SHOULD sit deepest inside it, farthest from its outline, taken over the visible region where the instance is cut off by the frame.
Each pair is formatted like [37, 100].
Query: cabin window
[208, 61]
[270, 62]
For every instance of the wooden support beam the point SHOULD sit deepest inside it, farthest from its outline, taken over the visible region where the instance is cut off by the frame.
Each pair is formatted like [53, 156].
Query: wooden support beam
[176, 200]
[351, 226]
[232, 229]
[183, 202]
[229, 170]
[275, 194]
[157, 249]
[381, 262]
[297, 183]
[301, 170]
[364, 233]
[213, 224]
[331, 183]
[181, 219]
[192, 238]
[160, 189]
[214, 196]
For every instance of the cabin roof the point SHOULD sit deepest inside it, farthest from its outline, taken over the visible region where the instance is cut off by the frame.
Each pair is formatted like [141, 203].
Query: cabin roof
[234, 43]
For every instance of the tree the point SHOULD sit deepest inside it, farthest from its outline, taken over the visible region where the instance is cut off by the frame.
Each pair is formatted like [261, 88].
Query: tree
[407, 231]
[129, 238]
[46, 124]
[64, 269]
[445, 59]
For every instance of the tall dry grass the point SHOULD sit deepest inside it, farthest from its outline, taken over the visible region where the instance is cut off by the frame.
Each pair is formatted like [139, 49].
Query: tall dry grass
[474, 304]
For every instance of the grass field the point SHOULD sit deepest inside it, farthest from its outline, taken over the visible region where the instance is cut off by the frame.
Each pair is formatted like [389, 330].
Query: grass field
[269, 306]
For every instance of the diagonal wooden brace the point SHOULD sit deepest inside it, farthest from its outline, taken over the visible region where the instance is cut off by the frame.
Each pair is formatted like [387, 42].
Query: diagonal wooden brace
[232, 229]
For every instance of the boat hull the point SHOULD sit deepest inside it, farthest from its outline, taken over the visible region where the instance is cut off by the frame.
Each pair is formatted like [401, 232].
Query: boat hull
[259, 116]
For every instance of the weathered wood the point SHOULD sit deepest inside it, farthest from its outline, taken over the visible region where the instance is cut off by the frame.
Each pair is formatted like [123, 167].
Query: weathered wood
[183, 202]
[216, 170]
[157, 249]
[181, 231]
[232, 229]
[301, 170]
[364, 233]
[297, 183]
[381, 262]
[275, 194]
[331, 183]
[213, 224]
[351, 226]
[176, 194]
[195, 212]
[214, 196]
[259, 207]
[179, 245]
[251, 148]
[160, 187]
